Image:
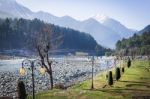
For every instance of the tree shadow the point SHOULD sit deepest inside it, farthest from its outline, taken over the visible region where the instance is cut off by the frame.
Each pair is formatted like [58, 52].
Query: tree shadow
[122, 90]
[135, 82]
[137, 85]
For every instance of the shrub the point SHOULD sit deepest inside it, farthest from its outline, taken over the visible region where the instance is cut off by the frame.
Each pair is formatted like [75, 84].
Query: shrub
[129, 63]
[118, 75]
[21, 90]
[60, 86]
[110, 78]
[123, 69]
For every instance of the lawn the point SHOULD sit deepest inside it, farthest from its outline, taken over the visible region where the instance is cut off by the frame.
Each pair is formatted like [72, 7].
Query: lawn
[135, 81]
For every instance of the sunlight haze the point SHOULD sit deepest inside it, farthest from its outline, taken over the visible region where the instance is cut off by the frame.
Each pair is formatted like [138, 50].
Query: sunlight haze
[133, 13]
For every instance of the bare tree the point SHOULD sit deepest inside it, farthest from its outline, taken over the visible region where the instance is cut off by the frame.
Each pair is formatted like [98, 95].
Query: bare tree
[45, 40]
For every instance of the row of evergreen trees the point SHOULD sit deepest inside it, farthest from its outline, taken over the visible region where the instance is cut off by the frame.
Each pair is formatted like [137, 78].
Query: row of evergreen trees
[117, 73]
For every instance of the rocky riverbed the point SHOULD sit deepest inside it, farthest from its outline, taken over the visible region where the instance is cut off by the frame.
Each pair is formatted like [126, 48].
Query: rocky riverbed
[67, 71]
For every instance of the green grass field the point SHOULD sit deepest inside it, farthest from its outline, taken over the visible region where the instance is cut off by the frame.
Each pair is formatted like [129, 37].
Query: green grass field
[135, 81]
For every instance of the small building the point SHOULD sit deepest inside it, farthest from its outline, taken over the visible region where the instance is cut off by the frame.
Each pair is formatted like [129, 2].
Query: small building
[81, 54]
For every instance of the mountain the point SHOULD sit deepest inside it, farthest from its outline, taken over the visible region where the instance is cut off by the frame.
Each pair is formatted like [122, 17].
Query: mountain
[102, 34]
[100, 17]
[45, 16]
[10, 8]
[146, 29]
[119, 28]
[67, 21]
[115, 25]
[106, 33]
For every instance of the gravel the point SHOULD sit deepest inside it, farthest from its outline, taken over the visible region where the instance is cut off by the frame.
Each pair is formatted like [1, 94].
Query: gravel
[66, 70]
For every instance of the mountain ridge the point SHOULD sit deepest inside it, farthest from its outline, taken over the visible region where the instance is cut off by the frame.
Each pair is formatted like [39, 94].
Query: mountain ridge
[146, 29]
[103, 31]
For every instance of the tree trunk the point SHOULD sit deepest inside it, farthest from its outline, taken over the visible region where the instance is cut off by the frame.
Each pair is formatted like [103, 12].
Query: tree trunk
[50, 70]
[51, 76]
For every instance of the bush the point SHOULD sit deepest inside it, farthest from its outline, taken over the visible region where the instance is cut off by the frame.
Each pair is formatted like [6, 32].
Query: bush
[123, 69]
[60, 86]
[21, 90]
[118, 75]
[110, 78]
[129, 63]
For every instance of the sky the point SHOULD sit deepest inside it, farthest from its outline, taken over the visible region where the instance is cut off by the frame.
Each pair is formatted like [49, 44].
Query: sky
[133, 14]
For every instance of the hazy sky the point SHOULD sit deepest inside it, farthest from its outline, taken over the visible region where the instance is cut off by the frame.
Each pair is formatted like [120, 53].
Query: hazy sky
[132, 13]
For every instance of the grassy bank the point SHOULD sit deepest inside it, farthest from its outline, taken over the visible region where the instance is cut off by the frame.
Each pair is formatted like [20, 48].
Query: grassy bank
[135, 81]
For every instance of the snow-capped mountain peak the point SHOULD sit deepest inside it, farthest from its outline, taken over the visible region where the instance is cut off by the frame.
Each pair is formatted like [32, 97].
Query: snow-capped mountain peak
[100, 17]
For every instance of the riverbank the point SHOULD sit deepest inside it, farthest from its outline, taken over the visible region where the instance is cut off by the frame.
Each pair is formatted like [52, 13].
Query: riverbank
[135, 82]
[67, 71]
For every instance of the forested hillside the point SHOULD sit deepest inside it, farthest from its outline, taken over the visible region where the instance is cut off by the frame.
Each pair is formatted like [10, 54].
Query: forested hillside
[16, 34]
[137, 44]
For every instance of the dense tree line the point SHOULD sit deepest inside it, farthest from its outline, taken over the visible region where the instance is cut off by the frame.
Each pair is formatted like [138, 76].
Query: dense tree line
[135, 45]
[103, 51]
[19, 33]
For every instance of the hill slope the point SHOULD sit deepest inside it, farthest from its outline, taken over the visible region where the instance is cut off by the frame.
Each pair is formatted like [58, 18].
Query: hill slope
[14, 34]
[137, 44]
[146, 29]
